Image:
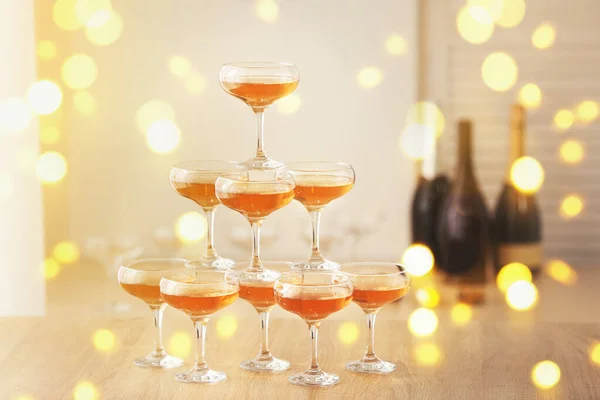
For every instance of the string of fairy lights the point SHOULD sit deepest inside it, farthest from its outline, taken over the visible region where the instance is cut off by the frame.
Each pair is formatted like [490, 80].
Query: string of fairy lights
[476, 22]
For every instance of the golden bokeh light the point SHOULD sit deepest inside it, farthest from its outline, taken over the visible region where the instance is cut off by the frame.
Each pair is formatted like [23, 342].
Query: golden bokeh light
[428, 297]
[85, 390]
[226, 326]
[587, 111]
[84, 103]
[64, 14]
[499, 71]
[472, 27]
[427, 354]
[348, 333]
[51, 167]
[413, 141]
[486, 10]
[180, 344]
[179, 66]
[595, 353]
[49, 134]
[46, 50]
[163, 136]
[396, 45]
[369, 77]
[571, 206]
[267, 10]
[289, 104]
[571, 151]
[545, 374]
[104, 340]
[462, 314]
[79, 71]
[44, 97]
[426, 113]
[191, 227]
[521, 295]
[50, 268]
[66, 252]
[561, 272]
[106, 33]
[513, 12]
[195, 83]
[422, 322]
[530, 96]
[418, 259]
[543, 37]
[564, 119]
[152, 111]
[511, 273]
[15, 115]
[527, 174]
[93, 13]
[24, 397]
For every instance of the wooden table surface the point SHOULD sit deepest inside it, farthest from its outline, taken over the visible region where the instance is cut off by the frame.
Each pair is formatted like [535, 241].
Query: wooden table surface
[490, 357]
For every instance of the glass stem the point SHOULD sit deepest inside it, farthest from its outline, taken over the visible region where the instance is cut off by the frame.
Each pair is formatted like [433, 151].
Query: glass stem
[200, 325]
[265, 353]
[159, 350]
[210, 252]
[314, 333]
[370, 352]
[260, 121]
[315, 217]
[256, 262]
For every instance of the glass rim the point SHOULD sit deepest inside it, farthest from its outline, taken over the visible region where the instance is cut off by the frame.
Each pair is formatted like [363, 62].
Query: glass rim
[225, 177]
[258, 64]
[403, 271]
[129, 264]
[324, 285]
[180, 165]
[223, 272]
[340, 164]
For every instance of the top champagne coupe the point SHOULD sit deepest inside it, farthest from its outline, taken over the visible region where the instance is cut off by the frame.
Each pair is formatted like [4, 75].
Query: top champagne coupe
[259, 84]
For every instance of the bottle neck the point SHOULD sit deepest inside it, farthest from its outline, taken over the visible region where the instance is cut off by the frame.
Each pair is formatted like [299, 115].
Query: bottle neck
[429, 167]
[516, 139]
[464, 172]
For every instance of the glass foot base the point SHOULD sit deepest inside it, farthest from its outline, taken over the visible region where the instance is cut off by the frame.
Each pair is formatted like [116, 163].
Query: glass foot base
[262, 163]
[201, 376]
[376, 367]
[321, 379]
[217, 263]
[324, 265]
[161, 362]
[271, 365]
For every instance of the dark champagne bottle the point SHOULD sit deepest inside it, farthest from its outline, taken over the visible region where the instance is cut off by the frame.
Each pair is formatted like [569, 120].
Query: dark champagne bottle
[517, 228]
[463, 226]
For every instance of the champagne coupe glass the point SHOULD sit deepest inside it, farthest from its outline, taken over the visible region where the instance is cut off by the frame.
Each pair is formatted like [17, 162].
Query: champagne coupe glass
[375, 285]
[313, 295]
[317, 184]
[257, 289]
[195, 180]
[259, 84]
[199, 293]
[255, 194]
[141, 278]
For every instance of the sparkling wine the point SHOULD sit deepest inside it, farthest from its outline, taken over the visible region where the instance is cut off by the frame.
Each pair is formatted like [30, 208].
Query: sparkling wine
[203, 193]
[260, 91]
[312, 307]
[259, 294]
[148, 293]
[319, 190]
[203, 303]
[259, 203]
[374, 298]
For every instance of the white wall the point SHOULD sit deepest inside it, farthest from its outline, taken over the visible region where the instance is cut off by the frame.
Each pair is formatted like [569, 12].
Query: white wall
[118, 186]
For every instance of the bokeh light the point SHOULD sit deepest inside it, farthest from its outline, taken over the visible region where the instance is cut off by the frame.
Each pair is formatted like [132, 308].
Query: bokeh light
[530, 96]
[180, 344]
[46, 50]
[267, 10]
[79, 71]
[428, 297]
[66, 252]
[85, 390]
[595, 353]
[587, 111]
[561, 272]
[369, 77]
[84, 102]
[44, 97]
[473, 28]
[195, 83]
[106, 33]
[499, 71]
[513, 12]
[511, 273]
[50, 268]
[426, 113]
[179, 66]
[461, 314]
[427, 354]
[571, 206]
[414, 141]
[418, 259]
[564, 119]
[289, 104]
[163, 136]
[396, 45]
[51, 167]
[15, 115]
[422, 322]
[64, 14]
[226, 326]
[571, 151]
[527, 174]
[24, 397]
[545, 374]
[521, 295]
[152, 111]
[348, 333]
[93, 13]
[49, 134]
[543, 37]
[104, 340]
[485, 11]
[191, 227]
